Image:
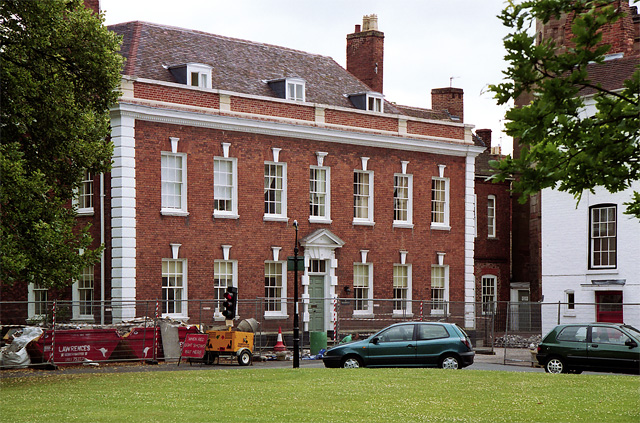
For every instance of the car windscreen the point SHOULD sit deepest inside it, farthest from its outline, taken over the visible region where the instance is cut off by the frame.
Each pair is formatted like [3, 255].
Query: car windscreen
[633, 331]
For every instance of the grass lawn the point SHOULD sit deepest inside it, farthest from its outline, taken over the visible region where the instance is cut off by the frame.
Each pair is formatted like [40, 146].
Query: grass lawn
[321, 395]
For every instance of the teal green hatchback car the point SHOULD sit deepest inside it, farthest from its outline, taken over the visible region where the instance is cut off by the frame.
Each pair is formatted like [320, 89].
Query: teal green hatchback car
[596, 347]
[413, 344]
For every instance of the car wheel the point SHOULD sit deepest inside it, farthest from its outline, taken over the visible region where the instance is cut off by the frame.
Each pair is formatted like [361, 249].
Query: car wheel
[555, 365]
[244, 359]
[450, 362]
[351, 363]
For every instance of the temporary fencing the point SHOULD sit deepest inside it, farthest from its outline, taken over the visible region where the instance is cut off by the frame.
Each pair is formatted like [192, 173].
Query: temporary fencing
[90, 332]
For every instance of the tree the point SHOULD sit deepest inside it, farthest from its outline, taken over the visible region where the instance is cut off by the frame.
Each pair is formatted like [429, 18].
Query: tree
[59, 72]
[563, 148]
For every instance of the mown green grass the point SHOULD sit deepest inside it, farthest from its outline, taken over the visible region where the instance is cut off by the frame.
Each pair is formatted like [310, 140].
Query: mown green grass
[321, 395]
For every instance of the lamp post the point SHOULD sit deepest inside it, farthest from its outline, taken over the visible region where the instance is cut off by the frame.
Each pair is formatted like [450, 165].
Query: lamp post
[296, 329]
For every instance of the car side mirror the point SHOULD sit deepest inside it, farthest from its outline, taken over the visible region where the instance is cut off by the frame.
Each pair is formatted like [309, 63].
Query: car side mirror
[375, 340]
[631, 343]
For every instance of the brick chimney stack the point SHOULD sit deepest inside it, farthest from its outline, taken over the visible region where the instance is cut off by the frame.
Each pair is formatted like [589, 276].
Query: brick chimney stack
[449, 99]
[93, 5]
[485, 136]
[365, 53]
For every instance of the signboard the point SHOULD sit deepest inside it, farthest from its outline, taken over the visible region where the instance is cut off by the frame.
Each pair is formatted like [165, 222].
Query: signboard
[194, 345]
[291, 262]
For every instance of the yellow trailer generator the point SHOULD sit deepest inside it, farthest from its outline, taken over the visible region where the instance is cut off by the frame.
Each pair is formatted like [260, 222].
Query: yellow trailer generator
[229, 343]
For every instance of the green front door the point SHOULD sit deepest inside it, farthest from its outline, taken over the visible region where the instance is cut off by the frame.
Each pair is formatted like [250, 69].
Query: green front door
[316, 303]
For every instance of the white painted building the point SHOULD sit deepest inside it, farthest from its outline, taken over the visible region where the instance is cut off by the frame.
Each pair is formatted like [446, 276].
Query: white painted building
[590, 256]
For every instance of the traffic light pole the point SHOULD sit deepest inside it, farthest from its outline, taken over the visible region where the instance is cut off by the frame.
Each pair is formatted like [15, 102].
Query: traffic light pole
[296, 328]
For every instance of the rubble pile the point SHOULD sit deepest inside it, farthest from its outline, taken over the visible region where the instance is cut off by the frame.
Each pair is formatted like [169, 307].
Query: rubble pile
[517, 341]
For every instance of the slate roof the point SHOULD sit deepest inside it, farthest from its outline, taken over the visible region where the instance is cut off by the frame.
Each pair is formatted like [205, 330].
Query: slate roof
[241, 66]
[611, 74]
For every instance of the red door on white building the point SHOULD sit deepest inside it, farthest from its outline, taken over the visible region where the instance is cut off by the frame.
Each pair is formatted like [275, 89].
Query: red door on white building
[609, 306]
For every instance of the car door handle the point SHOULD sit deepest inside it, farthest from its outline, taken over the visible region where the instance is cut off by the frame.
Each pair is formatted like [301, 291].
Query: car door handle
[411, 346]
[594, 345]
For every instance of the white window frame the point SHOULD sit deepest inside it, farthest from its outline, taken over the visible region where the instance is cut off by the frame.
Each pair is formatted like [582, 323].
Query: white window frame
[375, 102]
[444, 225]
[440, 310]
[282, 216]
[76, 291]
[217, 315]
[369, 199]
[282, 313]
[408, 223]
[326, 217]
[368, 300]
[83, 198]
[491, 216]
[569, 302]
[184, 312]
[299, 88]
[34, 299]
[593, 237]
[488, 292]
[182, 209]
[407, 312]
[232, 189]
[203, 75]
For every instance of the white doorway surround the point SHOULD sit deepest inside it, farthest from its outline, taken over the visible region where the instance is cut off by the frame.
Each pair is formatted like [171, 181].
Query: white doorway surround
[321, 245]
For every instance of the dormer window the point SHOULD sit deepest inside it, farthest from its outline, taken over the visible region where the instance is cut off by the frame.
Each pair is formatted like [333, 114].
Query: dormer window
[193, 74]
[288, 88]
[370, 101]
[295, 89]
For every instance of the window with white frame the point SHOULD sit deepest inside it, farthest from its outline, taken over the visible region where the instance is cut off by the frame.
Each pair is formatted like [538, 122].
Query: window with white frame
[439, 289]
[603, 234]
[174, 183]
[570, 303]
[224, 275]
[84, 194]
[319, 194]
[198, 75]
[295, 89]
[491, 216]
[174, 287]
[38, 297]
[489, 290]
[275, 288]
[362, 196]
[401, 288]
[362, 288]
[225, 187]
[402, 199]
[82, 294]
[440, 202]
[374, 103]
[275, 189]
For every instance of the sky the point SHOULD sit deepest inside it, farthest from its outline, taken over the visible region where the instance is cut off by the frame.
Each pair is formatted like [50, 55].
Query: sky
[427, 42]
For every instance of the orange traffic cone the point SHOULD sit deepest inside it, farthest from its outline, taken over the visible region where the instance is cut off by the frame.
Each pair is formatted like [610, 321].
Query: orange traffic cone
[279, 344]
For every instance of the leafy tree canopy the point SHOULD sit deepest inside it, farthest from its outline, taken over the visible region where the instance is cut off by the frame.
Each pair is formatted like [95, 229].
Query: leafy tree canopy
[59, 72]
[563, 147]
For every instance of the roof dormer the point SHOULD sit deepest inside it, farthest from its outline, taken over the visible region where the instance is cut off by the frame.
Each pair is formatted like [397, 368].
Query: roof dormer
[288, 88]
[194, 74]
[369, 100]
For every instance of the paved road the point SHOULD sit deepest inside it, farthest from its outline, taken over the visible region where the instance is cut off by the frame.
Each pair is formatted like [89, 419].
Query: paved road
[493, 362]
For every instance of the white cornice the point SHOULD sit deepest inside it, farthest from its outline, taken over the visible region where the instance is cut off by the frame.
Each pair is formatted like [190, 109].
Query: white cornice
[231, 123]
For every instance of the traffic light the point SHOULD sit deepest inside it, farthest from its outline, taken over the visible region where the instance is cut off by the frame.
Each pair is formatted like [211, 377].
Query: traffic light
[229, 304]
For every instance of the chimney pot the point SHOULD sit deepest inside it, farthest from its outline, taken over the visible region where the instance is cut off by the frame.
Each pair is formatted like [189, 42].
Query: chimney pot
[357, 28]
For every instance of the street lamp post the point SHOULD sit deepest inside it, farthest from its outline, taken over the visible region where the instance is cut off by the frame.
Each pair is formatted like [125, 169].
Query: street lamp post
[296, 329]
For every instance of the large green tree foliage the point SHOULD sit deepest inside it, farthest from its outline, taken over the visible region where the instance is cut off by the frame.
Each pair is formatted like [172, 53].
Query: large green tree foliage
[59, 72]
[564, 148]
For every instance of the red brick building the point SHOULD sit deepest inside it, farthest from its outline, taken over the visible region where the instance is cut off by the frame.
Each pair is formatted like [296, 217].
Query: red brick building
[221, 144]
